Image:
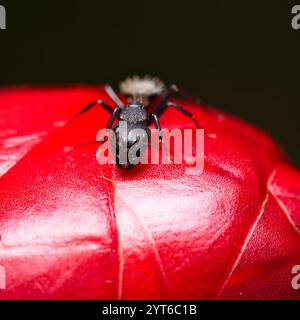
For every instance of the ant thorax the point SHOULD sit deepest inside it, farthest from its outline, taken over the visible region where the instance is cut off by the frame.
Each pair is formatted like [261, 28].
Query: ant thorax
[141, 89]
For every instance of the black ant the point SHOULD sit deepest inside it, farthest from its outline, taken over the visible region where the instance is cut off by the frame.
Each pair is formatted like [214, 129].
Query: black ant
[138, 92]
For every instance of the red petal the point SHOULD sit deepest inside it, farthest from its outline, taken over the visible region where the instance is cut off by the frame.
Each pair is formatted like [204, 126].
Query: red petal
[264, 267]
[71, 228]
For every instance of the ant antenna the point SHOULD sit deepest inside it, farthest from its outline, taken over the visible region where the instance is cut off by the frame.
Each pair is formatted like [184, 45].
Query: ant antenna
[114, 97]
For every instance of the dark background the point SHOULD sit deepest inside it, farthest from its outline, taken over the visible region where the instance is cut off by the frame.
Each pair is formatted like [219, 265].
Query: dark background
[242, 56]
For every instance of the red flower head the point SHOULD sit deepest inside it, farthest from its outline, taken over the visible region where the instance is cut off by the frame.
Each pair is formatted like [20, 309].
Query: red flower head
[73, 229]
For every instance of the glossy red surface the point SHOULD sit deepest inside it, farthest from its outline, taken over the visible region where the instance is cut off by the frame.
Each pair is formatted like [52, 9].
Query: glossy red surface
[72, 229]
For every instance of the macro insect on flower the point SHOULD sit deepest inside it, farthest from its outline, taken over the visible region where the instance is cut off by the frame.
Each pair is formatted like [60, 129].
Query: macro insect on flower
[140, 94]
[73, 229]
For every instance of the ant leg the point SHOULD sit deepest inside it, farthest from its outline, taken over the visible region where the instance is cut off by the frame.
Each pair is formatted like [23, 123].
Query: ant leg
[180, 109]
[164, 98]
[157, 125]
[187, 95]
[113, 116]
[90, 106]
[109, 124]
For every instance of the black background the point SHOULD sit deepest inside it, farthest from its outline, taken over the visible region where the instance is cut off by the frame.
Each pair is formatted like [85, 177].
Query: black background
[242, 56]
